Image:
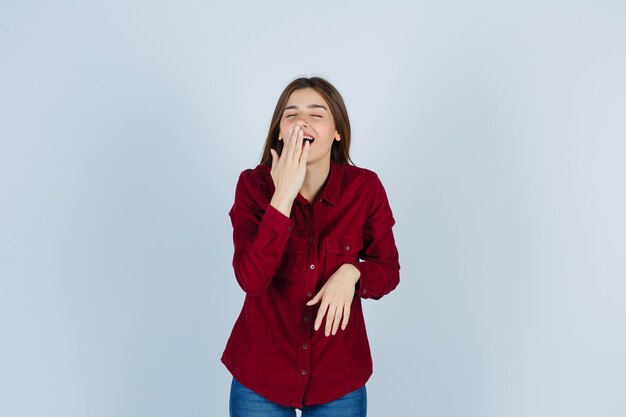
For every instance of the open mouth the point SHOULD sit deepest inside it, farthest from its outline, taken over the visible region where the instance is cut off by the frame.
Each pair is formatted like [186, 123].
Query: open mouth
[309, 138]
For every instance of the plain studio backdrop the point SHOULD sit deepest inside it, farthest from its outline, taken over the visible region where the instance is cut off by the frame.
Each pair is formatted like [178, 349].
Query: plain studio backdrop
[497, 128]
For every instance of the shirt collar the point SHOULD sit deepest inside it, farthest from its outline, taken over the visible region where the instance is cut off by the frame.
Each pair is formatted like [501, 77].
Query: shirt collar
[332, 189]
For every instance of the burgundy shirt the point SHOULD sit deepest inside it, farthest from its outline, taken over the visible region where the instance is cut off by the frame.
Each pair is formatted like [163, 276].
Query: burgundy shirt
[282, 262]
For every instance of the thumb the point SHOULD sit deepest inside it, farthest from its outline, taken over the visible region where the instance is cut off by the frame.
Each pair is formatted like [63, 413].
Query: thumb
[274, 157]
[315, 299]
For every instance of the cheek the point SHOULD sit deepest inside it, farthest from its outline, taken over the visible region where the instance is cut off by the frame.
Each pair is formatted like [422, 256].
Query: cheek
[284, 129]
[327, 128]
[285, 125]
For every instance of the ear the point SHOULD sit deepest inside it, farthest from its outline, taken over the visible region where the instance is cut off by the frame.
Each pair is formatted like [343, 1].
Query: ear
[337, 136]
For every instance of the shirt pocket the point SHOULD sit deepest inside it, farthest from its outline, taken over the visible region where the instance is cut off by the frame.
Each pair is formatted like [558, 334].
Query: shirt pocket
[341, 250]
[293, 265]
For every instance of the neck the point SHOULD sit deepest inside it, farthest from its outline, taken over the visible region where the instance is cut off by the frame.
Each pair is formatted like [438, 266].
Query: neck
[316, 175]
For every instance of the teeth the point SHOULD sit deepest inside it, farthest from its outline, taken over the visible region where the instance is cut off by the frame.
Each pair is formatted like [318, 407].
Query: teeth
[308, 138]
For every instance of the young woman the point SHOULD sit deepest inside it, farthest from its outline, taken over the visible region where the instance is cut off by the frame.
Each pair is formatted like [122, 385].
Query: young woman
[312, 237]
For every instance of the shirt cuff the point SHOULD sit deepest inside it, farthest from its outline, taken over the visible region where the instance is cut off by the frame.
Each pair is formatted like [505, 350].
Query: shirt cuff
[359, 288]
[277, 220]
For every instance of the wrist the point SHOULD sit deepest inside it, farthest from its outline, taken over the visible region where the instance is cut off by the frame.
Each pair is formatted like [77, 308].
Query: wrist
[281, 204]
[356, 273]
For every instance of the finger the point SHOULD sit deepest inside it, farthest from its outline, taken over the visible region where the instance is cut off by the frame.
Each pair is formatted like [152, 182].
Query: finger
[320, 314]
[287, 143]
[346, 316]
[330, 317]
[305, 152]
[337, 320]
[298, 145]
[292, 141]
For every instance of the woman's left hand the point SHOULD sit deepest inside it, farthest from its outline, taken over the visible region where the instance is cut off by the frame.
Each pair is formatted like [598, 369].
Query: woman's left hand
[336, 294]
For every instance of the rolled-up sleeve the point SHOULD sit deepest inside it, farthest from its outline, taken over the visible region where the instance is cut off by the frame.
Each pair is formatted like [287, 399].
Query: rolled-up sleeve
[379, 265]
[260, 237]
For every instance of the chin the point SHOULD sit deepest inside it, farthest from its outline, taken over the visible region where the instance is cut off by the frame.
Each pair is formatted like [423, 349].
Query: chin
[317, 159]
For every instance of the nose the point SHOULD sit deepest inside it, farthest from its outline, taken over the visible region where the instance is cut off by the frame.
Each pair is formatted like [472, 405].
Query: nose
[301, 123]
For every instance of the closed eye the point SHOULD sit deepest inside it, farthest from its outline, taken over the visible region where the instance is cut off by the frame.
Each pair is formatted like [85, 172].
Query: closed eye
[314, 115]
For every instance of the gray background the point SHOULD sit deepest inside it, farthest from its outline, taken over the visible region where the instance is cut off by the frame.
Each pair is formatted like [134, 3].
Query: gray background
[497, 129]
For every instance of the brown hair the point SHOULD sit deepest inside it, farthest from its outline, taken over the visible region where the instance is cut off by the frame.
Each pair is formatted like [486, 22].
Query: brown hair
[340, 149]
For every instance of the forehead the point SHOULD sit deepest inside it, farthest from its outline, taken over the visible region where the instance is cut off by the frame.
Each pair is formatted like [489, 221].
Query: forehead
[306, 96]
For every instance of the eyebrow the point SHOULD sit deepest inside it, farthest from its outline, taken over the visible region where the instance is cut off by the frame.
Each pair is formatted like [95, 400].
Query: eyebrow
[310, 106]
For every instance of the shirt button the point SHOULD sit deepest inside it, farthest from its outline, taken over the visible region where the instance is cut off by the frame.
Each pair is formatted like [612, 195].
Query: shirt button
[364, 291]
[303, 372]
[304, 346]
[312, 267]
[289, 228]
[347, 247]
[309, 293]
[306, 319]
[311, 240]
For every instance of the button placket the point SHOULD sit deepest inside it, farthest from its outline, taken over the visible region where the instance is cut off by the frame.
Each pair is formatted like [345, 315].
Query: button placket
[312, 249]
[304, 361]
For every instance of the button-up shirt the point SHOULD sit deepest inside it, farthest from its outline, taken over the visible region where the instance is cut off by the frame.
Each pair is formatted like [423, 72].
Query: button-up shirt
[282, 262]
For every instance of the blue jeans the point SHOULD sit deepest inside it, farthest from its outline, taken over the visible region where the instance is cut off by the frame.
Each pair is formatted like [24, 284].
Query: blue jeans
[246, 403]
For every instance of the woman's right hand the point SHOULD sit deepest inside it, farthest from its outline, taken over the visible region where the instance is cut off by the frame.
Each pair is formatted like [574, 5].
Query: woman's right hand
[289, 170]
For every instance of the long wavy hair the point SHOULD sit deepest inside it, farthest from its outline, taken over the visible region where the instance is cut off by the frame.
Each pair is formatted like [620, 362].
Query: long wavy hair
[340, 149]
